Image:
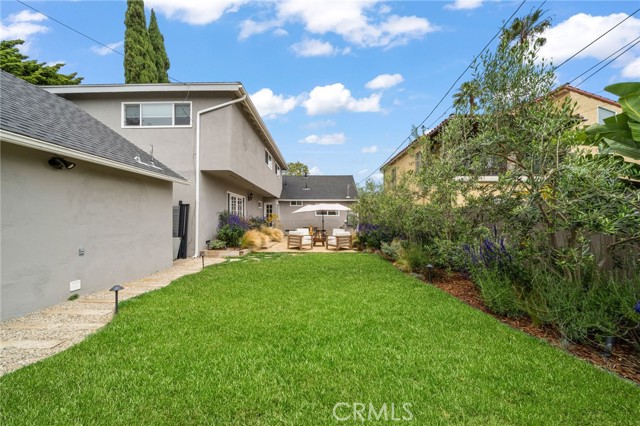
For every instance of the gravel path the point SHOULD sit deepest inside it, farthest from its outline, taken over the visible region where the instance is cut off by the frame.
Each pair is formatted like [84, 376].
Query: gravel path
[30, 338]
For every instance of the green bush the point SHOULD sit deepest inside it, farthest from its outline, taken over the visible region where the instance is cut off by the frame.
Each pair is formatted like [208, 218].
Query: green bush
[498, 291]
[597, 307]
[217, 244]
[413, 257]
[392, 250]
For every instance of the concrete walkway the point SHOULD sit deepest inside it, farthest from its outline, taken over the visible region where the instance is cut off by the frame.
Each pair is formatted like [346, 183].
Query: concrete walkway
[30, 338]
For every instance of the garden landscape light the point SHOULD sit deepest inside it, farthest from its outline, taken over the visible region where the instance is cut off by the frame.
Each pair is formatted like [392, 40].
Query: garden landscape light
[116, 288]
[429, 269]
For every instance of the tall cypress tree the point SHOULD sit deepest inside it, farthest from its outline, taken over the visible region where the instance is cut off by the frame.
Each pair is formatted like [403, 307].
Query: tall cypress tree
[139, 58]
[157, 43]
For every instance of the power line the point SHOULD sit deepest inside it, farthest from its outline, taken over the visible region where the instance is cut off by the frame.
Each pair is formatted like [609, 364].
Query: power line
[608, 63]
[82, 34]
[598, 38]
[451, 87]
[636, 40]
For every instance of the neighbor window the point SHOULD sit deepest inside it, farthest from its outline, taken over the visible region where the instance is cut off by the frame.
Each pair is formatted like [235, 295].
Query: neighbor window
[236, 204]
[157, 114]
[277, 169]
[295, 203]
[418, 162]
[604, 113]
[268, 159]
[327, 213]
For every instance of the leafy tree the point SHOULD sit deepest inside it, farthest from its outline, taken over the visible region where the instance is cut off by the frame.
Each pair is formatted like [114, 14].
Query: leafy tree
[296, 169]
[12, 61]
[139, 57]
[157, 43]
[524, 30]
[465, 98]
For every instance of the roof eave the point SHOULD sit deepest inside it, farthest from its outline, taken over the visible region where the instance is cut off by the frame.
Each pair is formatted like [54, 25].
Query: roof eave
[29, 142]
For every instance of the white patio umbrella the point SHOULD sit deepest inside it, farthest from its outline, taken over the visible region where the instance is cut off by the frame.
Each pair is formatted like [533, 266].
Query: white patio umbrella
[322, 207]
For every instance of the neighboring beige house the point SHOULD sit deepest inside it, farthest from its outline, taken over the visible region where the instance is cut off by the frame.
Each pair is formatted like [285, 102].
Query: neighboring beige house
[81, 208]
[210, 133]
[298, 191]
[590, 107]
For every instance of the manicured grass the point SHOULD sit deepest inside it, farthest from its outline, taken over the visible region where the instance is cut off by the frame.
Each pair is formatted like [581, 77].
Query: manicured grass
[281, 340]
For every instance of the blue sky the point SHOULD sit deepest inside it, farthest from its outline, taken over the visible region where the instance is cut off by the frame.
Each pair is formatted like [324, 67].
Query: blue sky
[339, 84]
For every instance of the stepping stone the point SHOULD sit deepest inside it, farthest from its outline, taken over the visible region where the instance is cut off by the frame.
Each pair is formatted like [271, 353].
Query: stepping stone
[31, 344]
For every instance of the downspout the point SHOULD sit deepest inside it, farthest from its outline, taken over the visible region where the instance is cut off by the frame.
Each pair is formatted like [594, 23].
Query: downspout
[200, 113]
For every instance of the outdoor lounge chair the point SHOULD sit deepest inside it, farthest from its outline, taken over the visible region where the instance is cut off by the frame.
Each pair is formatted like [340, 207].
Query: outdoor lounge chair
[340, 239]
[299, 239]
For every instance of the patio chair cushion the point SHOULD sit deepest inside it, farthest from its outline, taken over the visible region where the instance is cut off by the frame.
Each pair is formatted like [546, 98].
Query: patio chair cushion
[303, 231]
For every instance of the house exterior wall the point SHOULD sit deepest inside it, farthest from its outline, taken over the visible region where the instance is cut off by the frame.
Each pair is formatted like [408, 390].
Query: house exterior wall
[290, 221]
[587, 107]
[122, 220]
[231, 153]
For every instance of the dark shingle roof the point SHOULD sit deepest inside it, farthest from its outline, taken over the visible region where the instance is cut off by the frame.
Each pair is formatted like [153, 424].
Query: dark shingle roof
[33, 112]
[320, 188]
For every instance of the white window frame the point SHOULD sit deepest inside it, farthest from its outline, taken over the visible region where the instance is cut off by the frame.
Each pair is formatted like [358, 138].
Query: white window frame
[268, 159]
[173, 115]
[332, 213]
[278, 170]
[601, 120]
[242, 199]
[296, 203]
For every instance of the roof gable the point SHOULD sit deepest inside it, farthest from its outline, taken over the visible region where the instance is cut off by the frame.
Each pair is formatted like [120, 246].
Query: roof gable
[32, 112]
[319, 187]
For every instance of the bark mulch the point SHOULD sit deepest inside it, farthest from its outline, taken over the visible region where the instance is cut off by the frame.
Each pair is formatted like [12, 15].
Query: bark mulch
[624, 359]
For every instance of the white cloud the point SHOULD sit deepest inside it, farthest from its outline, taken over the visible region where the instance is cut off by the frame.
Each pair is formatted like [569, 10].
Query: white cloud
[102, 50]
[632, 70]
[384, 81]
[369, 149]
[270, 105]
[356, 21]
[320, 124]
[250, 27]
[332, 139]
[464, 4]
[280, 32]
[569, 36]
[313, 47]
[335, 97]
[23, 25]
[363, 171]
[315, 171]
[377, 177]
[195, 12]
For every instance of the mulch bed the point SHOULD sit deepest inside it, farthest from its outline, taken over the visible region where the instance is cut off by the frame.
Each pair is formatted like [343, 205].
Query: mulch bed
[624, 359]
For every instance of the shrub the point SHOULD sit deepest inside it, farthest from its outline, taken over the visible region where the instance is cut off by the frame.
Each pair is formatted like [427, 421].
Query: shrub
[256, 222]
[498, 291]
[254, 239]
[373, 235]
[216, 244]
[231, 227]
[597, 307]
[392, 250]
[413, 258]
[274, 234]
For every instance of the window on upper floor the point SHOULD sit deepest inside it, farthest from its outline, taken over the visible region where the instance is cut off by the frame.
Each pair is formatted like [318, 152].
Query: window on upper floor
[268, 159]
[156, 114]
[419, 163]
[295, 203]
[392, 176]
[278, 170]
[604, 113]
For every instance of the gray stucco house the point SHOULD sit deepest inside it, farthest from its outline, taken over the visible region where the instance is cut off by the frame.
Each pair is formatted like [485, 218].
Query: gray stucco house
[210, 133]
[298, 191]
[82, 208]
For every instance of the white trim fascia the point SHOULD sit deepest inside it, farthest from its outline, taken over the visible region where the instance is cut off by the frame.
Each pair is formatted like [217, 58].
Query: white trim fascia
[143, 88]
[33, 143]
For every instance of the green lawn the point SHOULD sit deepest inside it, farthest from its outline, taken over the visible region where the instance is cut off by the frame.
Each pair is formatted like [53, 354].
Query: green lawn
[282, 340]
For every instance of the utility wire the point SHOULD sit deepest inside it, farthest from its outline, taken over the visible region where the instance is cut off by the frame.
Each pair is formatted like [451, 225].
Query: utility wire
[636, 40]
[607, 64]
[82, 34]
[598, 38]
[451, 87]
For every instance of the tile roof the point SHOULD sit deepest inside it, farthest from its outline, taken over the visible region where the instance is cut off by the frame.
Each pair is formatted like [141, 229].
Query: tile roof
[321, 187]
[565, 87]
[30, 111]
